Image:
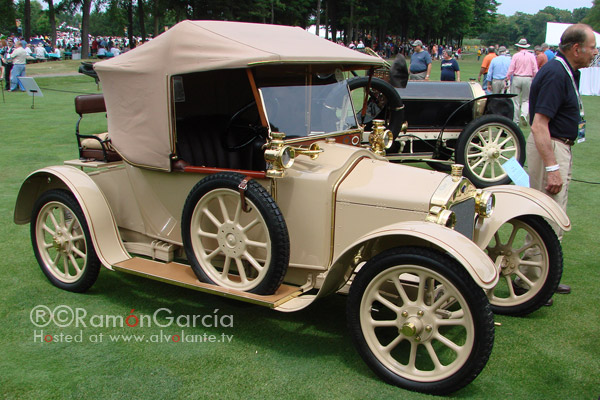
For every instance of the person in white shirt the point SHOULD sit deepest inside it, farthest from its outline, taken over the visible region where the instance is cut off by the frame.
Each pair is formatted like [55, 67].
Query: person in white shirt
[40, 51]
[19, 60]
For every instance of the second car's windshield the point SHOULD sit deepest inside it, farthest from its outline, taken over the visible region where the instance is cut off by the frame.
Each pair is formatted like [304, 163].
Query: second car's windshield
[300, 111]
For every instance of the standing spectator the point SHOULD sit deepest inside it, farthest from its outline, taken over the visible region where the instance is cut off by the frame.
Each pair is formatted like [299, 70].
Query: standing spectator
[549, 53]
[420, 63]
[557, 117]
[485, 65]
[497, 72]
[450, 68]
[540, 57]
[523, 68]
[19, 59]
[7, 48]
[94, 47]
[478, 53]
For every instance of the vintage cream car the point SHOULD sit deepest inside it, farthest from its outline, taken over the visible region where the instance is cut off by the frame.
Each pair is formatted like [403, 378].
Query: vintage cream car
[233, 166]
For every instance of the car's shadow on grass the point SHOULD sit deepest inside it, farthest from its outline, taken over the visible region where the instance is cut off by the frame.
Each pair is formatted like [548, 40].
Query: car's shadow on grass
[313, 332]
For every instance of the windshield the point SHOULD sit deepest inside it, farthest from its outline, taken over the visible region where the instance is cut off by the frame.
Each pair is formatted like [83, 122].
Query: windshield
[300, 111]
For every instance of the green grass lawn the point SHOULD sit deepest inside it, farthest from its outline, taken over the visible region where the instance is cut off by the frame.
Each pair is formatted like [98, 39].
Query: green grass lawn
[552, 354]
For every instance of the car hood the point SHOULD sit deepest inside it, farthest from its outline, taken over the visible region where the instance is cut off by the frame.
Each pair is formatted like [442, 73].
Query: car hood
[383, 184]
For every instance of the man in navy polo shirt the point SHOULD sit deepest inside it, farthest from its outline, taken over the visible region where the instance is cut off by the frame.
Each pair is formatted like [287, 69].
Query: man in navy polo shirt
[556, 116]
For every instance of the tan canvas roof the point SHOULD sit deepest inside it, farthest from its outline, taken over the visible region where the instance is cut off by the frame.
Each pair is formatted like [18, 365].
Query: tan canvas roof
[136, 83]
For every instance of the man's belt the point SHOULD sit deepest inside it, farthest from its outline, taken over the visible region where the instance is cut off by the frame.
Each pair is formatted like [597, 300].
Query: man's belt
[524, 76]
[417, 72]
[568, 142]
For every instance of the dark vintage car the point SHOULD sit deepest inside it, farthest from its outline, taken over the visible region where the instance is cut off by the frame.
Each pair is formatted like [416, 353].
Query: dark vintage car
[444, 123]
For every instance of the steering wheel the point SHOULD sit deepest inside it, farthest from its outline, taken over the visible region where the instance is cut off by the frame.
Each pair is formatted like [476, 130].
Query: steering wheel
[239, 133]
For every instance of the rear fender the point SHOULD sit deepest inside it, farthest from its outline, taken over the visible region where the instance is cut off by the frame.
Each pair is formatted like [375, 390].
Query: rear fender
[514, 201]
[101, 222]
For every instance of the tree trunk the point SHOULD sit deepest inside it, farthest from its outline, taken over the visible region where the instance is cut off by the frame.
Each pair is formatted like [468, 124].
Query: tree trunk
[27, 22]
[155, 16]
[318, 22]
[52, 18]
[141, 20]
[85, 28]
[350, 28]
[130, 23]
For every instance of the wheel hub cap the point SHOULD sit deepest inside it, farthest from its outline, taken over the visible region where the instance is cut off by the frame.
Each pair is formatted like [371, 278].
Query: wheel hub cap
[417, 324]
[231, 240]
[492, 153]
[60, 242]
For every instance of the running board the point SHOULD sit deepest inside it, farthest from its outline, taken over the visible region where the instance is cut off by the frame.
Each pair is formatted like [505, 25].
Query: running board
[182, 275]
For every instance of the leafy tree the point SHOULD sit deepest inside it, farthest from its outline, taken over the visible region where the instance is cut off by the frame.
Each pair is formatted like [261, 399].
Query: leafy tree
[7, 17]
[484, 15]
[593, 17]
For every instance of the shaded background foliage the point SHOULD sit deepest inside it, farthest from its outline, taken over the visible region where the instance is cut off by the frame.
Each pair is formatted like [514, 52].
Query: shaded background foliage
[433, 21]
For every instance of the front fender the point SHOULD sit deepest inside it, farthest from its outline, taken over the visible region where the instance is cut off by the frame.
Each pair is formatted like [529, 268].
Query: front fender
[103, 227]
[514, 201]
[470, 256]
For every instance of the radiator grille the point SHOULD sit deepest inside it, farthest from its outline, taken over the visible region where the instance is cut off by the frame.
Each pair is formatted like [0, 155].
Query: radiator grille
[465, 217]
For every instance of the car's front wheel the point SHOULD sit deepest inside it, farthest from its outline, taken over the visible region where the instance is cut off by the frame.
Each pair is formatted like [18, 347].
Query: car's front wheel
[420, 321]
[62, 243]
[532, 265]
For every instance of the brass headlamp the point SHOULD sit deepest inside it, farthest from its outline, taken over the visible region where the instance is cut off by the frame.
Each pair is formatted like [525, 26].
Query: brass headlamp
[380, 139]
[484, 203]
[441, 216]
[278, 156]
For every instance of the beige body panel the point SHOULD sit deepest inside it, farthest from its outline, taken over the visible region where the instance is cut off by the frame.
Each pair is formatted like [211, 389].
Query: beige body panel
[306, 199]
[150, 202]
[100, 219]
[513, 201]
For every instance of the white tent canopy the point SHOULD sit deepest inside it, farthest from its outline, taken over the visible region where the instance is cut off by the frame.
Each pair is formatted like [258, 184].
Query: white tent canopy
[554, 31]
[589, 81]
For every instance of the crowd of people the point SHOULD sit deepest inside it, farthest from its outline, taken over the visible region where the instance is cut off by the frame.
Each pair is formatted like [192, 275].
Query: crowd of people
[15, 52]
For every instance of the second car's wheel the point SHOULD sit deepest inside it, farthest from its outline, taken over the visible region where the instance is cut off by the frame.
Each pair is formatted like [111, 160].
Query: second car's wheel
[532, 265]
[485, 144]
[233, 241]
[383, 102]
[420, 321]
[62, 243]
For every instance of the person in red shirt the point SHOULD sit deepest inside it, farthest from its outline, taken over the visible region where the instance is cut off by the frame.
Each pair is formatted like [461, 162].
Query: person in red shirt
[540, 56]
[521, 71]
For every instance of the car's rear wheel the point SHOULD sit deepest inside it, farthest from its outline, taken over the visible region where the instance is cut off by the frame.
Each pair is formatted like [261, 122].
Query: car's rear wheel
[485, 144]
[233, 241]
[532, 265]
[420, 321]
[62, 243]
